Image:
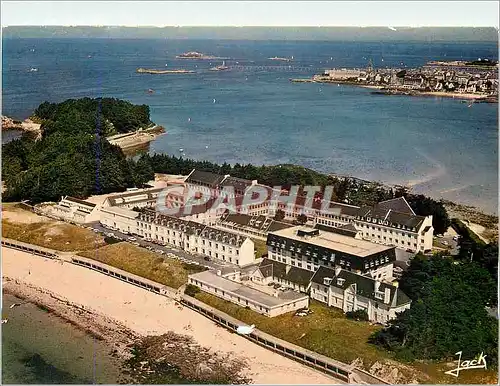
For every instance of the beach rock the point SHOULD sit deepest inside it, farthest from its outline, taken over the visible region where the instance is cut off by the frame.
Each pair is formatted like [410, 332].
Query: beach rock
[203, 370]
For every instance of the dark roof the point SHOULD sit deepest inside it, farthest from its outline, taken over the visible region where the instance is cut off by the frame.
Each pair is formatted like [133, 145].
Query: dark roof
[205, 178]
[299, 276]
[391, 216]
[365, 286]
[271, 267]
[397, 204]
[259, 223]
[349, 227]
[339, 230]
[279, 270]
[239, 184]
[73, 199]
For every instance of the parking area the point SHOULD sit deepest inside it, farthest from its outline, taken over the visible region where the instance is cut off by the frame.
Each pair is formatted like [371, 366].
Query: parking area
[448, 242]
[165, 250]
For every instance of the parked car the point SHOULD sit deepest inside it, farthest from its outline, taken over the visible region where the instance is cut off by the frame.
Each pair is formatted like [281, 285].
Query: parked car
[131, 239]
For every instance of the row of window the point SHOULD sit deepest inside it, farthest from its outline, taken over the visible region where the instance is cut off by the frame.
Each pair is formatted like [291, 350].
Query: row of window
[403, 234]
[377, 262]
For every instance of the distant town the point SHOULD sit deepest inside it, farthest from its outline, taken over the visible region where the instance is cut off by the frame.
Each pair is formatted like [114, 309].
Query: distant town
[470, 80]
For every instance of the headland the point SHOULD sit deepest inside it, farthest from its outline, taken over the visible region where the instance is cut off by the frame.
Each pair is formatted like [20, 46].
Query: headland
[477, 80]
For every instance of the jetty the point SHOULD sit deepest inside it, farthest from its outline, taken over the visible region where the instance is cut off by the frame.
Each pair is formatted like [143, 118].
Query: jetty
[303, 80]
[198, 56]
[135, 139]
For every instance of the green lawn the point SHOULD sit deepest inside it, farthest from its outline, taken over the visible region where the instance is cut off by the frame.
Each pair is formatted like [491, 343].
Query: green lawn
[260, 248]
[327, 331]
[142, 262]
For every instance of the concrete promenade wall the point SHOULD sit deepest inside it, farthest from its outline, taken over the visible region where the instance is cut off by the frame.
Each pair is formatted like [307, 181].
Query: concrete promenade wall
[334, 368]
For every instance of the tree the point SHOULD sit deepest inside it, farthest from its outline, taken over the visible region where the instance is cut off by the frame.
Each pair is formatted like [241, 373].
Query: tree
[279, 215]
[425, 206]
[447, 314]
[73, 157]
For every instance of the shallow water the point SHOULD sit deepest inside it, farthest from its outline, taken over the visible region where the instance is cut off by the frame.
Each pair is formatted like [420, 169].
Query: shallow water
[41, 348]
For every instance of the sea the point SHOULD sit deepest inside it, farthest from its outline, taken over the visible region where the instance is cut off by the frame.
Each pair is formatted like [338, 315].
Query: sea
[251, 113]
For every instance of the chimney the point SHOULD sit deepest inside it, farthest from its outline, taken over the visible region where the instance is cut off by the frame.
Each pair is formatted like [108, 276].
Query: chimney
[387, 296]
[337, 271]
[377, 285]
[287, 269]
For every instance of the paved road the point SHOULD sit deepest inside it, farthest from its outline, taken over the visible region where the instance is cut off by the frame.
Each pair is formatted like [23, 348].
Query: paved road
[169, 251]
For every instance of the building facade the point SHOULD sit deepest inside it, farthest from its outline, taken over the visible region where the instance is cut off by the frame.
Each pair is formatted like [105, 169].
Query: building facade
[350, 292]
[310, 249]
[189, 236]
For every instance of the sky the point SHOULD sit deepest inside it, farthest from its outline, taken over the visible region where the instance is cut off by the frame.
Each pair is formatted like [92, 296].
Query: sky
[252, 13]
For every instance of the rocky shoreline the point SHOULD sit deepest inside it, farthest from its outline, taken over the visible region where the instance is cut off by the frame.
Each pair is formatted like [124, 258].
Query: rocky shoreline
[146, 359]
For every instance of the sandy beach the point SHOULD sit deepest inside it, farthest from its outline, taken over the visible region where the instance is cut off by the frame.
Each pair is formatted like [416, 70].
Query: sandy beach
[104, 301]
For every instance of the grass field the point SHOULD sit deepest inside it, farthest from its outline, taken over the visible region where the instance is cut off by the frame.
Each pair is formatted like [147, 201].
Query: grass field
[141, 262]
[260, 248]
[22, 225]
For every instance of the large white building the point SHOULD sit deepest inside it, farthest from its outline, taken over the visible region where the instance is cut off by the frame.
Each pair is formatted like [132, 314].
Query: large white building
[350, 292]
[73, 210]
[390, 223]
[309, 249]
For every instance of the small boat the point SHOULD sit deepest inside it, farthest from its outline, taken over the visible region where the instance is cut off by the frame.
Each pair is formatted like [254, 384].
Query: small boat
[214, 100]
[5, 321]
[222, 67]
[151, 91]
[181, 149]
[15, 305]
[189, 119]
[33, 69]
